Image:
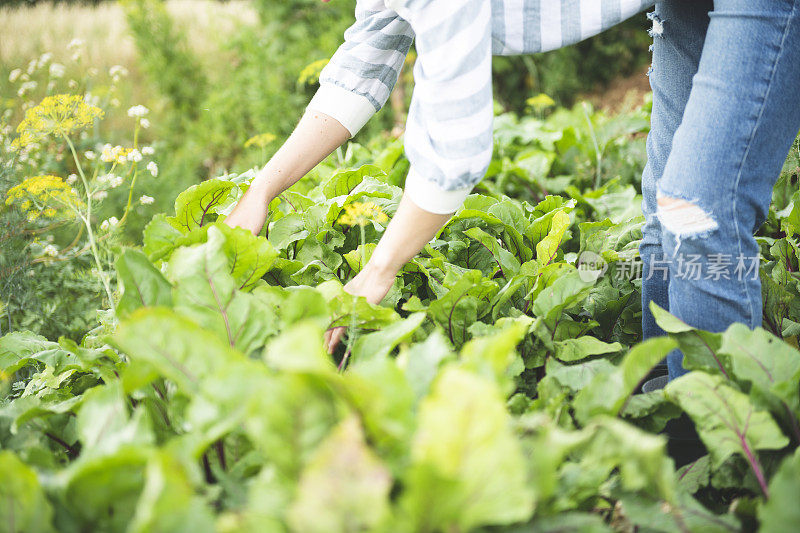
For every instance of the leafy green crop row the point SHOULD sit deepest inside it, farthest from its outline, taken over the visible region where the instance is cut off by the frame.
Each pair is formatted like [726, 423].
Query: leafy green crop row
[493, 388]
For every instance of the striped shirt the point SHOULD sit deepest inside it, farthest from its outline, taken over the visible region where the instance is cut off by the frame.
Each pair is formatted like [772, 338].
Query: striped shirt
[448, 138]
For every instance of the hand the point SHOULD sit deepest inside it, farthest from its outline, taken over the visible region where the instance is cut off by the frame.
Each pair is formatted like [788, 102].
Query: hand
[251, 211]
[372, 283]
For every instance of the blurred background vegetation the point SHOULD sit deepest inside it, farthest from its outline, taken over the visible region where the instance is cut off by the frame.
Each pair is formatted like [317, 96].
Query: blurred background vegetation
[215, 74]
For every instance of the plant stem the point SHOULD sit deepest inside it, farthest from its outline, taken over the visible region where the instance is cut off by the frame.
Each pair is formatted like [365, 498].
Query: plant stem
[87, 220]
[351, 336]
[598, 156]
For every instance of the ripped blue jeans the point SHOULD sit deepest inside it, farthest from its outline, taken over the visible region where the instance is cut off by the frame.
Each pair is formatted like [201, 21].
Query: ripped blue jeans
[726, 108]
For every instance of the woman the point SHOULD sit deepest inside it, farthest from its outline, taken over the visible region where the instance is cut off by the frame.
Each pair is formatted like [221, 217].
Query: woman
[725, 76]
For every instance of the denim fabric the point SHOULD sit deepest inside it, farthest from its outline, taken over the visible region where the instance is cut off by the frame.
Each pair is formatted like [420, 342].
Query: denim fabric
[726, 108]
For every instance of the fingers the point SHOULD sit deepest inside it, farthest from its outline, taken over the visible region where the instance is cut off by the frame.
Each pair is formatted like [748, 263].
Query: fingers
[332, 338]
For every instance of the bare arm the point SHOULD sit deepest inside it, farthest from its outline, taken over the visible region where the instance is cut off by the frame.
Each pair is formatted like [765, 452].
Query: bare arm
[409, 231]
[314, 138]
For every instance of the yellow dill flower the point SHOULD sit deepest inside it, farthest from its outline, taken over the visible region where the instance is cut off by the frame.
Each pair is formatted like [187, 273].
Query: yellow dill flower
[60, 114]
[361, 213]
[45, 195]
[310, 73]
[540, 102]
[261, 140]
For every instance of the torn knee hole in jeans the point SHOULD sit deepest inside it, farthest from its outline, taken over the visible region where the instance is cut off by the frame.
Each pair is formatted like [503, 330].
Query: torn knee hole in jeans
[683, 218]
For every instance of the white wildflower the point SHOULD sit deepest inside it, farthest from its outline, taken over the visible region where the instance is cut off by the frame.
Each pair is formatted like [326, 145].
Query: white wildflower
[72, 178]
[109, 223]
[88, 154]
[57, 70]
[32, 65]
[45, 59]
[100, 195]
[50, 250]
[134, 156]
[153, 168]
[26, 87]
[138, 111]
[148, 150]
[75, 44]
[145, 123]
[146, 200]
[117, 71]
[91, 99]
[72, 84]
[107, 155]
[14, 75]
[116, 181]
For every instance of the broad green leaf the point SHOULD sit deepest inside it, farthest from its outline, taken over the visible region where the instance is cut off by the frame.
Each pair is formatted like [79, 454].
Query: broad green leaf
[700, 348]
[142, 284]
[104, 425]
[196, 206]
[547, 248]
[757, 357]
[299, 349]
[343, 304]
[344, 181]
[422, 360]
[507, 264]
[781, 513]
[289, 418]
[606, 394]
[381, 393]
[344, 487]
[19, 347]
[249, 256]
[576, 349]
[381, 343]
[468, 469]
[466, 300]
[102, 491]
[23, 504]
[495, 356]
[287, 230]
[206, 292]
[728, 423]
[169, 501]
[567, 291]
[159, 237]
[178, 348]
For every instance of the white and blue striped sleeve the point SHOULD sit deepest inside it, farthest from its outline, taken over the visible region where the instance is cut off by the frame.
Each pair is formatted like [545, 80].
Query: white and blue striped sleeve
[356, 82]
[448, 137]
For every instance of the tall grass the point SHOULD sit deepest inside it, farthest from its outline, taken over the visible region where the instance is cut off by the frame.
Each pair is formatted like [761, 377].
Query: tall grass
[27, 31]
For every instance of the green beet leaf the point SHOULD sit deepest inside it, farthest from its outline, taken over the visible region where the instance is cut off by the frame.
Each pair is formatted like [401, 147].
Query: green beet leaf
[177, 347]
[468, 469]
[781, 513]
[23, 504]
[381, 343]
[344, 181]
[142, 284]
[607, 393]
[772, 366]
[169, 501]
[196, 206]
[700, 348]
[344, 486]
[726, 419]
[206, 292]
[570, 350]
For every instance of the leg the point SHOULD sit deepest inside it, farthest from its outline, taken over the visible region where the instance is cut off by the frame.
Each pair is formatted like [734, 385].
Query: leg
[739, 123]
[676, 56]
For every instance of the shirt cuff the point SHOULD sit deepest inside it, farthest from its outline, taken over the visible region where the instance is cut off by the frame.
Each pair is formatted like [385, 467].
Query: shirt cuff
[431, 197]
[350, 109]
